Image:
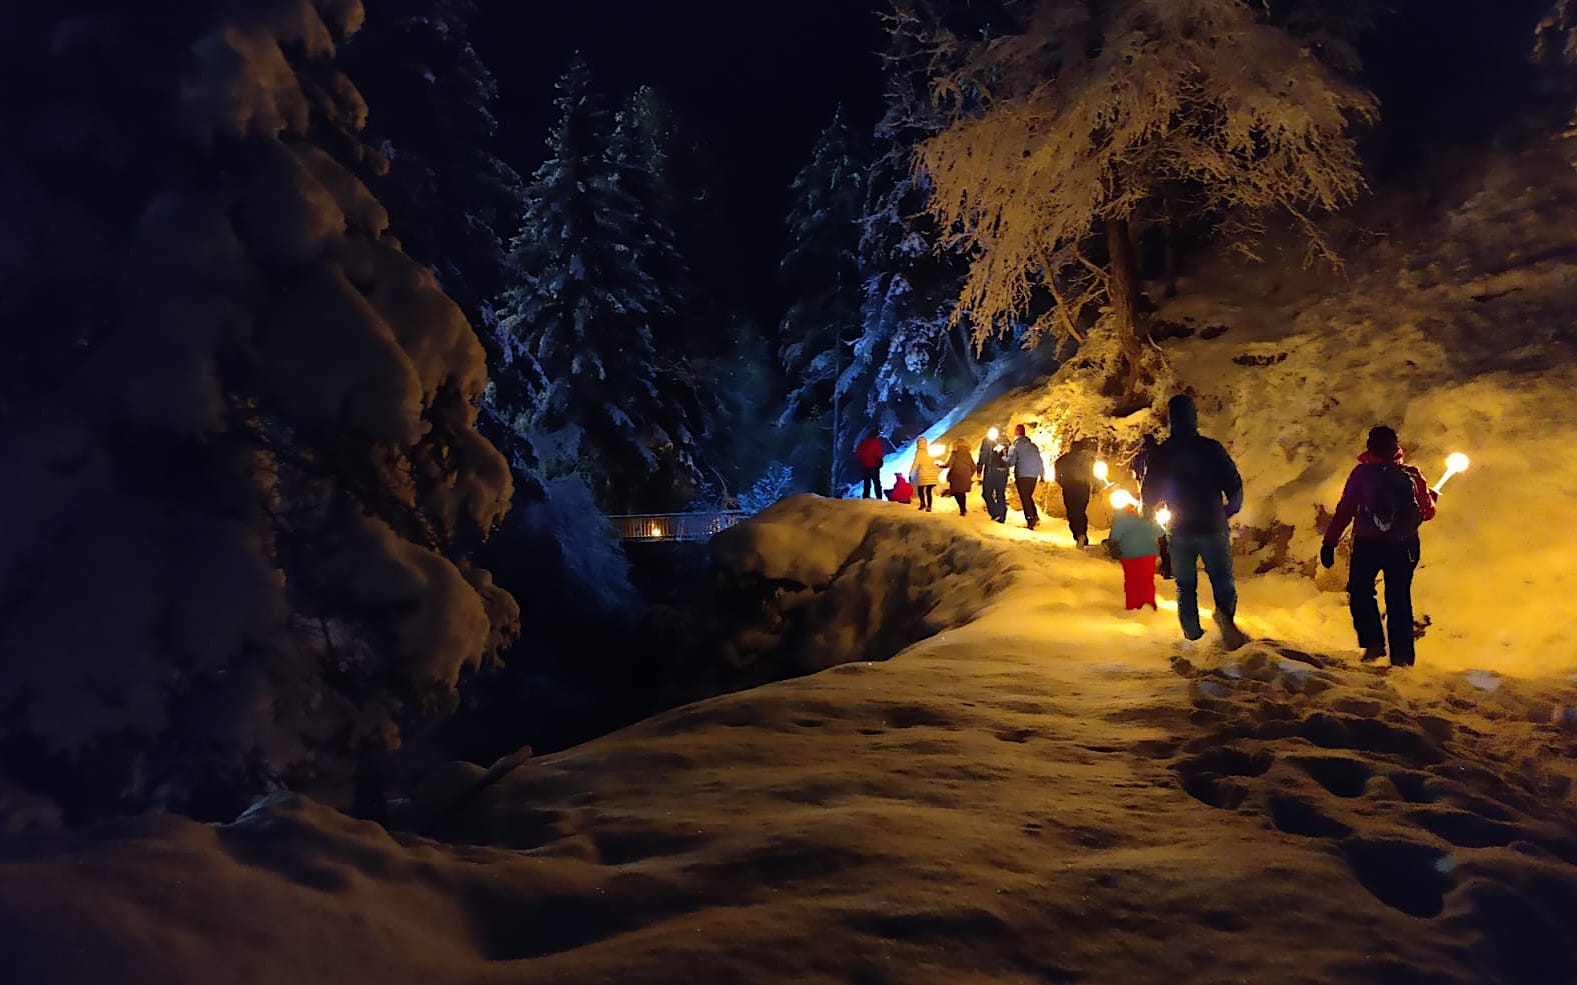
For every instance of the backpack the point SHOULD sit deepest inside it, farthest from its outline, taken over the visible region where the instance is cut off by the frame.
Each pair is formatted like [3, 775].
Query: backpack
[1394, 512]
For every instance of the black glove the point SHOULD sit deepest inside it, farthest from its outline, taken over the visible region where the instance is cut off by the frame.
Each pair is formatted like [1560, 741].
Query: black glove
[1328, 555]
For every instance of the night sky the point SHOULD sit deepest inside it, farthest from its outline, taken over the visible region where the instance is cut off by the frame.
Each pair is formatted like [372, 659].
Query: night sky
[759, 81]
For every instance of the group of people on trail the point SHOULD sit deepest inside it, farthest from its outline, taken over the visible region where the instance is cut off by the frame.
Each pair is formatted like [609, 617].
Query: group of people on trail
[1195, 479]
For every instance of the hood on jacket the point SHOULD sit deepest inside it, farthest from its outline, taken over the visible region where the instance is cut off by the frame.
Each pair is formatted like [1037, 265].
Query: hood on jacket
[1180, 410]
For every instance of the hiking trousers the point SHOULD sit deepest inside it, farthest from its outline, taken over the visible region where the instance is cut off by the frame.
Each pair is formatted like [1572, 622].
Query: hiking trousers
[1076, 500]
[1215, 550]
[1026, 494]
[873, 480]
[994, 490]
[1139, 581]
[1395, 561]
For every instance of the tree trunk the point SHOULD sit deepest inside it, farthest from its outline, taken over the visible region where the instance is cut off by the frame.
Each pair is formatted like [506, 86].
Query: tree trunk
[1123, 291]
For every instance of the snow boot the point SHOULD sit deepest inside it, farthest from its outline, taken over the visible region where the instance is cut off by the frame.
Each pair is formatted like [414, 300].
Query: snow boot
[1372, 653]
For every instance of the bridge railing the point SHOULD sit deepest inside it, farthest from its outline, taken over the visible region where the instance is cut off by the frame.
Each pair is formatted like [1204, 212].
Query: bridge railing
[674, 526]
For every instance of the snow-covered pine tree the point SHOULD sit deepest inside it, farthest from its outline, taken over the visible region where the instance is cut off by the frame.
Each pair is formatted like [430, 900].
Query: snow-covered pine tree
[645, 150]
[1093, 108]
[578, 320]
[912, 358]
[821, 277]
[241, 504]
[452, 201]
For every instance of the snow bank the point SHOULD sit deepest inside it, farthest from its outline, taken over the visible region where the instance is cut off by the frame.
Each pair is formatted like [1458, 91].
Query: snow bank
[1053, 791]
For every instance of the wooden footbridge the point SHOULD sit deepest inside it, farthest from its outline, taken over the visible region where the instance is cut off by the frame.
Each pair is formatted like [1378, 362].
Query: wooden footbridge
[655, 527]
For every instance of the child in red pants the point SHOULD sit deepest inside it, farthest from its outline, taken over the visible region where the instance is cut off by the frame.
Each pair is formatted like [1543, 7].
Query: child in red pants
[1135, 540]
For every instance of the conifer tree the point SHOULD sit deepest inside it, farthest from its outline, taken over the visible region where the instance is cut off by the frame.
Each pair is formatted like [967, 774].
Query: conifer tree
[1071, 124]
[452, 201]
[821, 274]
[912, 357]
[245, 497]
[581, 317]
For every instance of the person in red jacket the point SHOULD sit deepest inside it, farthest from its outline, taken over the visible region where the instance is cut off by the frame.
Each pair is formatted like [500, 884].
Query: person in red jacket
[902, 491]
[869, 454]
[1385, 501]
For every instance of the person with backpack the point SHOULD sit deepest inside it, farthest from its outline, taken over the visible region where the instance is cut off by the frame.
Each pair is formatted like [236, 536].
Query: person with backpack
[992, 467]
[1385, 501]
[1197, 479]
[1075, 473]
[869, 454]
[1028, 466]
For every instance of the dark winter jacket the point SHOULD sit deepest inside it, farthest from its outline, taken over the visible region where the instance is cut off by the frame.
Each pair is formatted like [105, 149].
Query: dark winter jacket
[870, 452]
[1075, 470]
[1361, 494]
[1194, 476]
[990, 461]
[960, 471]
[1025, 459]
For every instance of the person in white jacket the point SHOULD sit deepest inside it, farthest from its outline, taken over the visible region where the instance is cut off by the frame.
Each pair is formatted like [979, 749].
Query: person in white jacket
[925, 473]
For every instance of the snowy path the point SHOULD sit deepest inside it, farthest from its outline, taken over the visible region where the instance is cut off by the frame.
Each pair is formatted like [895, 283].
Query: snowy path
[1037, 795]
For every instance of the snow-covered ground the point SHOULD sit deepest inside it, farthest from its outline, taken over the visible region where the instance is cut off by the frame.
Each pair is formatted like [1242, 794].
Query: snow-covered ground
[1047, 790]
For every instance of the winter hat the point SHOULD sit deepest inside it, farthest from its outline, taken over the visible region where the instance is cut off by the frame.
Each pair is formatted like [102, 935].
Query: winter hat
[1180, 410]
[1018, 429]
[1383, 441]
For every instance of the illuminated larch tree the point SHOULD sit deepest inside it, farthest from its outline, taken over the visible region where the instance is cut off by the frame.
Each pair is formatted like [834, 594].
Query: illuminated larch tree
[1069, 125]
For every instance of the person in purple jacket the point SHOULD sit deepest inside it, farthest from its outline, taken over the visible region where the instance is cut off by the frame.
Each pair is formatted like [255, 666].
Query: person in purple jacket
[1385, 501]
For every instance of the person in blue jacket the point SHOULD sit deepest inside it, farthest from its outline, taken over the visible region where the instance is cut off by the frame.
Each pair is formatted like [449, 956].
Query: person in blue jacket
[1028, 467]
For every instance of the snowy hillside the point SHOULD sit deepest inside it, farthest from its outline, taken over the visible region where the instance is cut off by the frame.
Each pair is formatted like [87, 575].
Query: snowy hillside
[1452, 323]
[1046, 790]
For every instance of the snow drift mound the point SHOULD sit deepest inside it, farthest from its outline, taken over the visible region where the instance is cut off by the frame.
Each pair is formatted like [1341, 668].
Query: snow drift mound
[807, 585]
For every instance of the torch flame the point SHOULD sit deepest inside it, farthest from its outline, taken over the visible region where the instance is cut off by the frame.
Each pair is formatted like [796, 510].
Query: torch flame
[1101, 471]
[992, 435]
[1163, 516]
[1456, 462]
[1122, 499]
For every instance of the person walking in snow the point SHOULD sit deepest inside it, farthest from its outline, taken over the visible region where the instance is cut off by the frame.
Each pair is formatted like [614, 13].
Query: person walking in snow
[1135, 541]
[1028, 466]
[1075, 473]
[1139, 467]
[902, 491]
[869, 454]
[960, 475]
[924, 473]
[992, 467]
[1385, 501]
[1197, 479]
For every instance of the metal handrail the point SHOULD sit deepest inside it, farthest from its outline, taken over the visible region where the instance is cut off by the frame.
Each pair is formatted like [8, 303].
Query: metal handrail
[674, 526]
